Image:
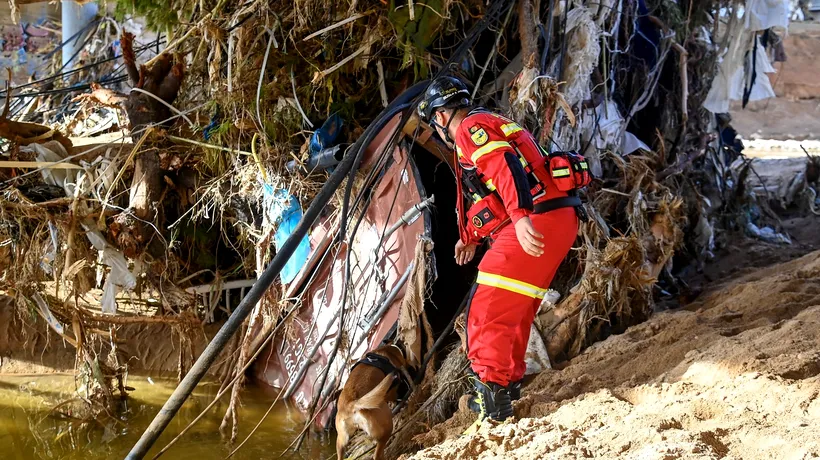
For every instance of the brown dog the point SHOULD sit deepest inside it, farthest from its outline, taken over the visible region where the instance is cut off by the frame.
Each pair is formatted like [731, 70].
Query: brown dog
[363, 403]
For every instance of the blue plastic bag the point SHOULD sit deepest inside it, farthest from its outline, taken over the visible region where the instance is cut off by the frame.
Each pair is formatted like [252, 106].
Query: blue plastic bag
[286, 212]
[325, 136]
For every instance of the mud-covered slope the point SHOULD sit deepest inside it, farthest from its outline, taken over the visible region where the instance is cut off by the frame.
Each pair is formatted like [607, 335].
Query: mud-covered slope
[734, 375]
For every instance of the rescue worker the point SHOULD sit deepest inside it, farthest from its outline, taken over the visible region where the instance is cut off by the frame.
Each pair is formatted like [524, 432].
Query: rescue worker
[531, 226]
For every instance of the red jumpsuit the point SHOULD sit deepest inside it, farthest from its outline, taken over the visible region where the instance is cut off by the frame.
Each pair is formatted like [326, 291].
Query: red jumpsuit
[510, 283]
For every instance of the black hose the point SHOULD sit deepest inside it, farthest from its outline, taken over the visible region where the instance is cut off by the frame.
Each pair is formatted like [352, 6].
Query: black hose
[70, 89]
[391, 111]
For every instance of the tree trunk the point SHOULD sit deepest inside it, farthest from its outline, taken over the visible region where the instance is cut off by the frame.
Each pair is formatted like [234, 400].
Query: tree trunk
[527, 31]
[132, 229]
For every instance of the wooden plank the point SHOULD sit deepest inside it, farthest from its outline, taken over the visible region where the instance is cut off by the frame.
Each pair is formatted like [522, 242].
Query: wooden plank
[426, 139]
[38, 164]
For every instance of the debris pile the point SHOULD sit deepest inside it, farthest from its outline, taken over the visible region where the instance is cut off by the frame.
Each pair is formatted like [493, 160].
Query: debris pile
[160, 195]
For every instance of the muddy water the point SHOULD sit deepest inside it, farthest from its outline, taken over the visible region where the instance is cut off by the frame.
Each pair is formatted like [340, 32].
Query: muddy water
[28, 431]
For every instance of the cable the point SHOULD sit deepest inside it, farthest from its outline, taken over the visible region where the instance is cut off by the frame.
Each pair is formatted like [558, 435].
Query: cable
[70, 89]
[79, 69]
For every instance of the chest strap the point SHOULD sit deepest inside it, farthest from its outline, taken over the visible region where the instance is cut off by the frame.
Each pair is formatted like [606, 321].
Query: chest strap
[381, 363]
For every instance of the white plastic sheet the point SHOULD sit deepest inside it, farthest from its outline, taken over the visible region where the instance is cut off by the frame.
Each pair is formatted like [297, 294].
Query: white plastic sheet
[52, 152]
[119, 277]
[764, 14]
[735, 72]
[537, 359]
[45, 312]
[606, 135]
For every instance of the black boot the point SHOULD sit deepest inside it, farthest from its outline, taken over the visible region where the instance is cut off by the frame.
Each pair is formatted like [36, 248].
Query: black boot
[515, 389]
[491, 400]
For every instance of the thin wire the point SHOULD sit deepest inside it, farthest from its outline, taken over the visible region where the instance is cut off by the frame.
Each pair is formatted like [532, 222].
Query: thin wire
[70, 89]
[78, 69]
[271, 41]
[171, 107]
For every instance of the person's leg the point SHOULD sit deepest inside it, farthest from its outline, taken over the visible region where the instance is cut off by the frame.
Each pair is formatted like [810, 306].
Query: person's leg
[559, 229]
[493, 318]
[492, 322]
[510, 287]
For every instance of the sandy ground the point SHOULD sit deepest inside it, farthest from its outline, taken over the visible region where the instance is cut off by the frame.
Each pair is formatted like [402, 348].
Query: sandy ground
[734, 375]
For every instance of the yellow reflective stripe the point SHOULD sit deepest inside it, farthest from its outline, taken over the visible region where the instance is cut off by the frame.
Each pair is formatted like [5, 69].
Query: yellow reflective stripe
[510, 128]
[523, 162]
[490, 185]
[509, 284]
[458, 151]
[476, 197]
[489, 147]
[560, 172]
[584, 165]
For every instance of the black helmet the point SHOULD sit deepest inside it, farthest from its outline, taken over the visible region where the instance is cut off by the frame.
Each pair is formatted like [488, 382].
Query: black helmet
[443, 91]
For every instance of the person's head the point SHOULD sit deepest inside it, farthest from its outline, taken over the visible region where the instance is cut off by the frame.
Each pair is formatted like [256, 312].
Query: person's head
[442, 101]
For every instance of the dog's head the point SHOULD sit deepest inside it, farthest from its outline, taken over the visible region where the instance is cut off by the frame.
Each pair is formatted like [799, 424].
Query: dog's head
[394, 353]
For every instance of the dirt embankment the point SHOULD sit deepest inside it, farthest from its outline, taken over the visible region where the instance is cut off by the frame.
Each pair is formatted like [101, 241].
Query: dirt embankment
[28, 346]
[734, 375]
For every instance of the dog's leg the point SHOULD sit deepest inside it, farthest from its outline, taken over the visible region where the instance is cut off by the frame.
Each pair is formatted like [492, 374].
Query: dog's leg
[380, 427]
[342, 438]
[380, 445]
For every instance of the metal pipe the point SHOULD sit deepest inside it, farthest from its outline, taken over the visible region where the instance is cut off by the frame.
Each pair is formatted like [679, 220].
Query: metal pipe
[410, 216]
[75, 18]
[294, 381]
[321, 161]
[386, 304]
[407, 218]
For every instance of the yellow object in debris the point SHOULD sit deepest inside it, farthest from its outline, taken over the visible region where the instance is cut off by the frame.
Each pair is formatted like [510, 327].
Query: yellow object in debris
[473, 429]
[256, 157]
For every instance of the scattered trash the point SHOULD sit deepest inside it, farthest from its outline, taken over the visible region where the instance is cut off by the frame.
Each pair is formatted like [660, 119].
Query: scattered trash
[45, 312]
[283, 212]
[767, 234]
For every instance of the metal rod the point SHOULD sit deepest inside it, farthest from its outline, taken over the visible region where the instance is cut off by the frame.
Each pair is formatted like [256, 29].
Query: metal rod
[296, 380]
[386, 304]
[410, 216]
[391, 296]
[406, 219]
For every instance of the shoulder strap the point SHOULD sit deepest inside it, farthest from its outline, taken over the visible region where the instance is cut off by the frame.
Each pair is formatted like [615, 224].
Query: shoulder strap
[477, 110]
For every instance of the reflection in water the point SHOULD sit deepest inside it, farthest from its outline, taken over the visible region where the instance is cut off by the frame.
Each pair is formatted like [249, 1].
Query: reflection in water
[29, 430]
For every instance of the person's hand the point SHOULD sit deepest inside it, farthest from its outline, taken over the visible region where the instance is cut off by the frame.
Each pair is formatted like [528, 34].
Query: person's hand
[464, 252]
[528, 237]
